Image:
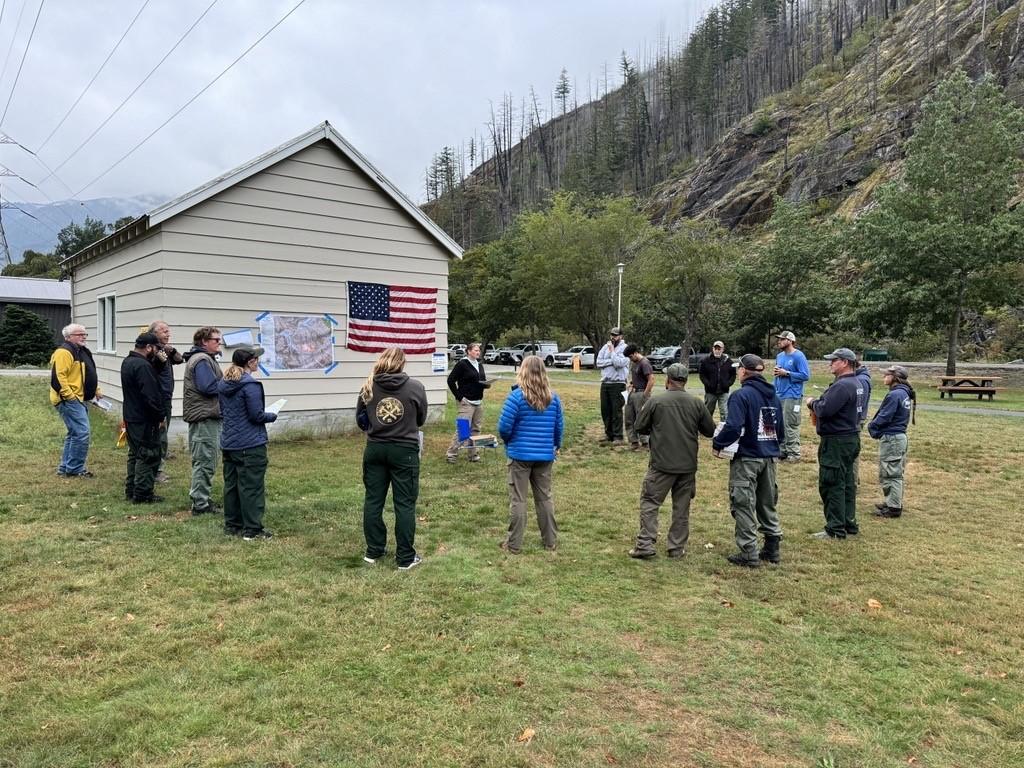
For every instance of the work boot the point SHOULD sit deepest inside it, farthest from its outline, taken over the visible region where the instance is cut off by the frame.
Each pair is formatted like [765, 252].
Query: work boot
[891, 512]
[743, 560]
[770, 550]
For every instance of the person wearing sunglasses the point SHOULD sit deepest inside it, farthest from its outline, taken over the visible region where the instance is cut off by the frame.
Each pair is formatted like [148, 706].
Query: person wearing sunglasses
[200, 409]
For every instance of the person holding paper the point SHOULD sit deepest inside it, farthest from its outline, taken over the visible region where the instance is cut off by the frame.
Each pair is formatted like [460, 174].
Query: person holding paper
[467, 381]
[673, 419]
[756, 421]
[531, 426]
[200, 409]
[243, 442]
[73, 383]
[390, 409]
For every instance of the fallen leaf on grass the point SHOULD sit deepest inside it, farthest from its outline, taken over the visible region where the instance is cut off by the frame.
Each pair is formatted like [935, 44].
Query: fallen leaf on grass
[911, 760]
[956, 651]
[129, 617]
[526, 736]
[518, 682]
[726, 603]
[422, 519]
[874, 605]
[133, 518]
[610, 759]
[709, 545]
[74, 505]
[386, 647]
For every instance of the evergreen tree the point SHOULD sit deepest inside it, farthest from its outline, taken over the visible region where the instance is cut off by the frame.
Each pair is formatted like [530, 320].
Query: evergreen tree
[25, 338]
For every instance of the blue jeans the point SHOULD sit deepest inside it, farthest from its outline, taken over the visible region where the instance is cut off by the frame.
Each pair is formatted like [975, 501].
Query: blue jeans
[76, 444]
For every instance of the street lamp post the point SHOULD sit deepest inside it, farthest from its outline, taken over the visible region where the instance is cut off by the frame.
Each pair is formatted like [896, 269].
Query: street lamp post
[618, 314]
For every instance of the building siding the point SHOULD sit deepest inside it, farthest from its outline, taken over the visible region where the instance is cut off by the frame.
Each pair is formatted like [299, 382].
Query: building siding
[285, 240]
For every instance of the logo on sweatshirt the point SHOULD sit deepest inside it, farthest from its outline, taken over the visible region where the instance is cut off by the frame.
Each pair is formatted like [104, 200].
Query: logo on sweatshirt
[390, 410]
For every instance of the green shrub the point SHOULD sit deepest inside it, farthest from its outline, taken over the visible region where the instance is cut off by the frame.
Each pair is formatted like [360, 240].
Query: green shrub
[25, 338]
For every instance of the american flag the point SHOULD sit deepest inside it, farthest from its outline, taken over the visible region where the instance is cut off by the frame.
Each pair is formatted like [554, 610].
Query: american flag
[382, 316]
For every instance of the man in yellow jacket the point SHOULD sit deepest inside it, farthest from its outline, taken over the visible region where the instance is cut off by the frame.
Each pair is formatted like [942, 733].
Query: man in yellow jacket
[72, 385]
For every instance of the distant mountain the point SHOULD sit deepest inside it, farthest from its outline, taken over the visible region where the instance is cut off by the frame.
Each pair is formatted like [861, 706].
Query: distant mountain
[24, 233]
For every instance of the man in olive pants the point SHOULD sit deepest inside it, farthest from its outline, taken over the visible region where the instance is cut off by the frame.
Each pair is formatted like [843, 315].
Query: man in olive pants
[673, 419]
[200, 409]
[755, 422]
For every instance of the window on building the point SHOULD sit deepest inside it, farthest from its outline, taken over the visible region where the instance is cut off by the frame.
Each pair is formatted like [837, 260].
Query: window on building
[106, 323]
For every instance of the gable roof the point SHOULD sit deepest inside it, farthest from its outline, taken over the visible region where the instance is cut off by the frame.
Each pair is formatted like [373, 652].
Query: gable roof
[322, 132]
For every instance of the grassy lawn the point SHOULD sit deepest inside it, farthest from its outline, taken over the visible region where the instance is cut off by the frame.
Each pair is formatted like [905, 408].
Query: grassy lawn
[143, 637]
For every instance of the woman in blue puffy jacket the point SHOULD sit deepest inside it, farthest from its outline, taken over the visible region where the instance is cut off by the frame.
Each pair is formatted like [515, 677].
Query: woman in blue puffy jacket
[243, 443]
[531, 425]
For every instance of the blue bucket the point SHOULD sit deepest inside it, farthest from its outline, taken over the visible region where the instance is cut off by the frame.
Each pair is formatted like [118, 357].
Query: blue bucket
[462, 429]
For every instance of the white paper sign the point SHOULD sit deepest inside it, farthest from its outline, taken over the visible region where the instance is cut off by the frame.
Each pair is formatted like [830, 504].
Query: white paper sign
[730, 450]
[276, 406]
[439, 362]
[234, 338]
[102, 403]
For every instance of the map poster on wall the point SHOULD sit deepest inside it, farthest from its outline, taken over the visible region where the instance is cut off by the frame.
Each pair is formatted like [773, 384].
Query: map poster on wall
[296, 342]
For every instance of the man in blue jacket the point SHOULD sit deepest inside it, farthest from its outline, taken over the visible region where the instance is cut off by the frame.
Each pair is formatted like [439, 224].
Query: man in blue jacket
[837, 412]
[791, 371]
[889, 427]
[755, 420]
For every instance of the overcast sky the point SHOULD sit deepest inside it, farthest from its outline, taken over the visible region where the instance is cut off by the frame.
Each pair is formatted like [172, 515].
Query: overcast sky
[398, 78]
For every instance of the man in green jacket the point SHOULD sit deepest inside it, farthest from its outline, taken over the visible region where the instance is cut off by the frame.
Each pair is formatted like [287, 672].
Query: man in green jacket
[673, 419]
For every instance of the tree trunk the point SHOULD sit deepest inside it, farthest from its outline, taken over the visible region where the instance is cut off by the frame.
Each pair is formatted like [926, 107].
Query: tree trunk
[954, 334]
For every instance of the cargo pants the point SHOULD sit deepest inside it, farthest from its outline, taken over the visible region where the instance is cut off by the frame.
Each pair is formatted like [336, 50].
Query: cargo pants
[892, 460]
[753, 494]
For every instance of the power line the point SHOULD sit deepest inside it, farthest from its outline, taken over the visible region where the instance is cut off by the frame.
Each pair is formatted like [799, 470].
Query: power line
[93, 80]
[137, 87]
[203, 90]
[24, 55]
[14, 37]
[6, 139]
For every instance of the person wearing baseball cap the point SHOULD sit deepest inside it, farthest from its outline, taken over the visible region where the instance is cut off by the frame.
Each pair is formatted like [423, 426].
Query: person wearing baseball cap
[673, 419]
[755, 420]
[717, 374]
[614, 365]
[243, 444]
[791, 371]
[837, 416]
[143, 412]
[889, 427]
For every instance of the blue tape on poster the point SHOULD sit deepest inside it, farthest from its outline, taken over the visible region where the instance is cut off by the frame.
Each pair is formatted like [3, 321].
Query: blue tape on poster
[330, 318]
[262, 315]
[265, 371]
[330, 368]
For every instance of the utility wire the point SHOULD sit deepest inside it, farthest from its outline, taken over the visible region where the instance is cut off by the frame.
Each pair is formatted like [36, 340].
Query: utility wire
[14, 37]
[203, 90]
[136, 89]
[93, 80]
[24, 55]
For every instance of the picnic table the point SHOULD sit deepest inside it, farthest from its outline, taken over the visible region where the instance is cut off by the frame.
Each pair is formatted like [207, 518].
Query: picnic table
[979, 385]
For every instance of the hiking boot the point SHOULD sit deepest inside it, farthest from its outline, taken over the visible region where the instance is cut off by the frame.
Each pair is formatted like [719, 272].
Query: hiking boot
[232, 531]
[743, 560]
[641, 554]
[85, 474]
[201, 510]
[770, 550]
[890, 512]
[881, 506]
[635, 446]
[503, 546]
[820, 535]
[410, 565]
[257, 535]
[676, 553]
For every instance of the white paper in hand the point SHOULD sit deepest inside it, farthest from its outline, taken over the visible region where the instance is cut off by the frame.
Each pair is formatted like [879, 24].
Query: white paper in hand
[103, 404]
[276, 406]
[730, 450]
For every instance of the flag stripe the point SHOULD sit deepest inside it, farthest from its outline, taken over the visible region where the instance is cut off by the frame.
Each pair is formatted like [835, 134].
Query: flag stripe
[382, 316]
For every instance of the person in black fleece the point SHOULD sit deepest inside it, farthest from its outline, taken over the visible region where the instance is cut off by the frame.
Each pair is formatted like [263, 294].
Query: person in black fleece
[837, 415]
[717, 374]
[390, 410]
[143, 412]
[467, 381]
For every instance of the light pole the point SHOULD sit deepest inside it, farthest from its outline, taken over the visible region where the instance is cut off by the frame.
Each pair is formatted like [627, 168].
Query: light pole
[618, 314]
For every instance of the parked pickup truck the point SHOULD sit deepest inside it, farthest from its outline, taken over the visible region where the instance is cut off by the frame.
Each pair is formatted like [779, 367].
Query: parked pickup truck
[514, 355]
[661, 357]
[586, 353]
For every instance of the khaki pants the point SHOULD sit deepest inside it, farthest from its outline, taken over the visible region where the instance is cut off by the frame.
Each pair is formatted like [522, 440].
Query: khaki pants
[523, 475]
[892, 460]
[753, 494]
[791, 420]
[655, 488]
[475, 415]
[634, 405]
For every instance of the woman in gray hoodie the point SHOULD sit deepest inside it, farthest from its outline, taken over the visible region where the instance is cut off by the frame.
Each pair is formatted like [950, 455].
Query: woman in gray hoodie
[390, 410]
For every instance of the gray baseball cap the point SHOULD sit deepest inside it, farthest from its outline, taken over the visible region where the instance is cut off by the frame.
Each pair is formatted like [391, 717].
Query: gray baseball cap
[786, 335]
[677, 372]
[898, 371]
[750, 362]
[615, 331]
[843, 353]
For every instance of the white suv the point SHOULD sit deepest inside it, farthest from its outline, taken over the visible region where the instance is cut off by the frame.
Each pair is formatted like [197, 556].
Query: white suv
[586, 353]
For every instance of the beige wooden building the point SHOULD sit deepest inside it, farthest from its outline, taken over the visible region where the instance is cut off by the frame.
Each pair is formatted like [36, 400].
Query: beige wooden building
[281, 234]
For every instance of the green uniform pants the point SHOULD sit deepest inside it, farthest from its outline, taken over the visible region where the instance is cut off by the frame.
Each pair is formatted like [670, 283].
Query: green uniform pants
[396, 465]
[143, 460]
[611, 408]
[203, 445]
[711, 401]
[753, 494]
[163, 435]
[245, 501]
[892, 460]
[655, 488]
[791, 420]
[522, 476]
[836, 486]
[634, 405]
